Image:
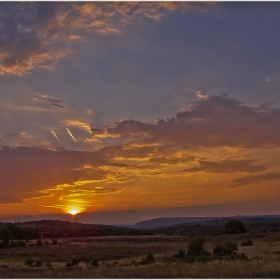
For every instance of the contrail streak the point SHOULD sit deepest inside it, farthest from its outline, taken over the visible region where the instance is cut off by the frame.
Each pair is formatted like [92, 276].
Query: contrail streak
[54, 134]
[69, 132]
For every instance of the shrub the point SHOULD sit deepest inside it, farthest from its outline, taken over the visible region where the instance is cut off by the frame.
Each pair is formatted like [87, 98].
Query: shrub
[3, 244]
[54, 241]
[75, 262]
[29, 261]
[38, 263]
[227, 248]
[94, 263]
[49, 264]
[196, 246]
[149, 259]
[21, 243]
[235, 226]
[39, 242]
[247, 242]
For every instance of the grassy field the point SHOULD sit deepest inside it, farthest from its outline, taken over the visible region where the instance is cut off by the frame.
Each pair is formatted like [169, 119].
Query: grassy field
[125, 257]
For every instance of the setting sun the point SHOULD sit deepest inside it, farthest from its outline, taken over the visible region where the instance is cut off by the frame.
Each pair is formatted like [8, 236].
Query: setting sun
[73, 212]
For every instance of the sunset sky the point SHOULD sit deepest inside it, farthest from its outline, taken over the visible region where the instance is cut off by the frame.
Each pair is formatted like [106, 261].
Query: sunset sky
[125, 111]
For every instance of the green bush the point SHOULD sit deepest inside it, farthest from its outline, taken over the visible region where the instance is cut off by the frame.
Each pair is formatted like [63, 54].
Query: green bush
[196, 247]
[227, 248]
[94, 263]
[247, 242]
[29, 261]
[38, 263]
[235, 226]
[149, 259]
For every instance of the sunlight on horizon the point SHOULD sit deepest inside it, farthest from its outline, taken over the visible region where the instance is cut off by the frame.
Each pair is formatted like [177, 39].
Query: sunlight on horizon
[73, 211]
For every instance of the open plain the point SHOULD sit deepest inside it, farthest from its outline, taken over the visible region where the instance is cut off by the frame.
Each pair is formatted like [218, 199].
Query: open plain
[128, 257]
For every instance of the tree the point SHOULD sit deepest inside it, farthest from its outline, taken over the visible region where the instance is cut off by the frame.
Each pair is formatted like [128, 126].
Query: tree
[6, 235]
[235, 226]
[196, 246]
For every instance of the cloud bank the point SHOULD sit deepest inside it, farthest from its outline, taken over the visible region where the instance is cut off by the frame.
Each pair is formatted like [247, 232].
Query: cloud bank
[217, 121]
[213, 139]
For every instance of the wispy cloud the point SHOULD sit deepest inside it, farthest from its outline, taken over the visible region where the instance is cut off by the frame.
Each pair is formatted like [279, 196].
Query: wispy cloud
[70, 133]
[226, 166]
[55, 136]
[45, 99]
[15, 135]
[80, 124]
[51, 101]
[251, 179]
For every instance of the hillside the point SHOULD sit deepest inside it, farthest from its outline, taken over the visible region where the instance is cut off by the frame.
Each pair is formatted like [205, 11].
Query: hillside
[58, 229]
[171, 221]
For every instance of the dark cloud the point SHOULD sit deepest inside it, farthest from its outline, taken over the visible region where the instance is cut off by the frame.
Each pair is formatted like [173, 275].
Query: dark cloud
[226, 166]
[52, 102]
[36, 35]
[216, 121]
[27, 32]
[15, 135]
[250, 179]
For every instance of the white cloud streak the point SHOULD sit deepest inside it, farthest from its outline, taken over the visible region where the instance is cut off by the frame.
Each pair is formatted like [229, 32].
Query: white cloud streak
[71, 135]
[54, 134]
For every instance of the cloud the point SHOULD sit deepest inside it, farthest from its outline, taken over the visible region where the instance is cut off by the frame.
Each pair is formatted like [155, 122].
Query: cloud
[218, 121]
[37, 35]
[28, 171]
[226, 166]
[55, 136]
[250, 179]
[71, 135]
[80, 124]
[201, 96]
[51, 101]
[267, 79]
[15, 135]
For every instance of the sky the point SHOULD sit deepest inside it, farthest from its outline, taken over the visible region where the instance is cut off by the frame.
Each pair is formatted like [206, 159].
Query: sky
[126, 111]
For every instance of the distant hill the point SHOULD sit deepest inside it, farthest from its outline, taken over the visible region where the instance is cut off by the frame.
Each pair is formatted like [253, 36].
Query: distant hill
[57, 228]
[165, 222]
[170, 221]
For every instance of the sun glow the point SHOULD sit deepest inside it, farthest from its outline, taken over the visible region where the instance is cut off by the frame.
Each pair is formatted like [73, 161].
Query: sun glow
[74, 211]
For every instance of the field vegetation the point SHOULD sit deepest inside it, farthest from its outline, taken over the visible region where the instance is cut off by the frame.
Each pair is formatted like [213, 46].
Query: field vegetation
[235, 255]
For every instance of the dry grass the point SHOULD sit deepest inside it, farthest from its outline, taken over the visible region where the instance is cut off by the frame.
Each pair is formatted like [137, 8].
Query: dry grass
[120, 258]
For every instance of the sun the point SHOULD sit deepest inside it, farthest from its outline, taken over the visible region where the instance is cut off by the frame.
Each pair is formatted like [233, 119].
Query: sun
[73, 212]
